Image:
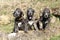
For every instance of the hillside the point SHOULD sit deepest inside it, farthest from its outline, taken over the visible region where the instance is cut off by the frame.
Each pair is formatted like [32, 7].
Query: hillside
[7, 7]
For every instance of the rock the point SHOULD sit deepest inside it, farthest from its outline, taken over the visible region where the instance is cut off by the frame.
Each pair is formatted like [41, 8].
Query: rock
[3, 36]
[56, 11]
[53, 19]
[11, 36]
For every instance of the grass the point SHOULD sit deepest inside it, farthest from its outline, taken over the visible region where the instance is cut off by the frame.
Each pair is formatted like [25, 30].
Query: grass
[8, 9]
[6, 28]
[55, 38]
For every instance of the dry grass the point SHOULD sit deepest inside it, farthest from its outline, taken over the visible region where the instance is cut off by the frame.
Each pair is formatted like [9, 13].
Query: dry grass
[7, 7]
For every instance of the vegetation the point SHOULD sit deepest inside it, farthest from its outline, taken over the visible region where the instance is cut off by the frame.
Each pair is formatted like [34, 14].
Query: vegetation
[55, 38]
[8, 7]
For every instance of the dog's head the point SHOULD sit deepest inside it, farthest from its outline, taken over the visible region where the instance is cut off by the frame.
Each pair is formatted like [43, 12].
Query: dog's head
[18, 13]
[46, 13]
[30, 13]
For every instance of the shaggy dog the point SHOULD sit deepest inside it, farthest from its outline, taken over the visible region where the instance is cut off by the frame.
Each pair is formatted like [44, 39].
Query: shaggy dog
[19, 20]
[44, 19]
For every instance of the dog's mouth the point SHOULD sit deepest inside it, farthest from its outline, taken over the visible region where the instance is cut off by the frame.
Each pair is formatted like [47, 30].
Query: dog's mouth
[30, 17]
[46, 16]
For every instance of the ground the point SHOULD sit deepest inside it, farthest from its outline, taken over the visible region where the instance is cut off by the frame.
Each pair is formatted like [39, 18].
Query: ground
[7, 7]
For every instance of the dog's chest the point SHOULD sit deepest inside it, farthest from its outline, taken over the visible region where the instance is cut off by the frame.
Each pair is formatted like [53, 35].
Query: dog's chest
[19, 24]
[30, 22]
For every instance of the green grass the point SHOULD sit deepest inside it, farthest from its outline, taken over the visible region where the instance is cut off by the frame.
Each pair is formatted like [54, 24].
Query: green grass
[55, 38]
[3, 12]
[6, 28]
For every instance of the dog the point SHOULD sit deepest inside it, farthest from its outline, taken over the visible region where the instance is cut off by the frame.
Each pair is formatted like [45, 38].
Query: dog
[30, 13]
[44, 19]
[19, 20]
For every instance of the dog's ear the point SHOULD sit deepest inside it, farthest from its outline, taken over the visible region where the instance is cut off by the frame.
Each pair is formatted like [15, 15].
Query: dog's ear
[22, 13]
[41, 18]
[33, 10]
[27, 11]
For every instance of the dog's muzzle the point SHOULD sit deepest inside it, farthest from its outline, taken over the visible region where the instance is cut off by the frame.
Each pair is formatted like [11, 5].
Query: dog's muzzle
[46, 15]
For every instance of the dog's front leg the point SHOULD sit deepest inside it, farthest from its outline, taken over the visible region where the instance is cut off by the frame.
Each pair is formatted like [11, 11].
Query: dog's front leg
[26, 28]
[35, 26]
[15, 28]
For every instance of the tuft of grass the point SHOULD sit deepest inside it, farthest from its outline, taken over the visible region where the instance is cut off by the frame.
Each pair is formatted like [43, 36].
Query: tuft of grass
[55, 38]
